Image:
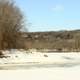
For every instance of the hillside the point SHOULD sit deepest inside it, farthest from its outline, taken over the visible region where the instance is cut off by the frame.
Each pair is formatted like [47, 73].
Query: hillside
[54, 40]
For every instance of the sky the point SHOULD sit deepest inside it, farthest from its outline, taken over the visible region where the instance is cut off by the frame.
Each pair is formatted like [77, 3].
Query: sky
[51, 15]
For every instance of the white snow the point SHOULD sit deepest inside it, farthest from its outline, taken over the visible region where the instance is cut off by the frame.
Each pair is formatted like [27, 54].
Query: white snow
[17, 56]
[44, 73]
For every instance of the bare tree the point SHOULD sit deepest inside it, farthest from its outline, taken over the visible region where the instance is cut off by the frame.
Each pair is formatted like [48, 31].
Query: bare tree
[11, 22]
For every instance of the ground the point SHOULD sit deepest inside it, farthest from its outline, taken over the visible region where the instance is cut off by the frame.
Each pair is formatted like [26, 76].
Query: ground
[56, 66]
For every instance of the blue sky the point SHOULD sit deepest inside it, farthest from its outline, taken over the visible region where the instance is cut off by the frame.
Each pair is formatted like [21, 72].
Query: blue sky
[51, 15]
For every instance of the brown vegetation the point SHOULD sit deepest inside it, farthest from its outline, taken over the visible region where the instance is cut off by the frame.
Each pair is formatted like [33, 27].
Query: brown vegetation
[55, 41]
[11, 21]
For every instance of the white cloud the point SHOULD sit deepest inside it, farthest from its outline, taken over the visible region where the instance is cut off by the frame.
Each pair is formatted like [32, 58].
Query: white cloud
[58, 8]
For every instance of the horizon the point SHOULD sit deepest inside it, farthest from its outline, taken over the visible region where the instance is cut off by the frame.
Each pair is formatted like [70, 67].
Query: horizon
[51, 31]
[51, 15]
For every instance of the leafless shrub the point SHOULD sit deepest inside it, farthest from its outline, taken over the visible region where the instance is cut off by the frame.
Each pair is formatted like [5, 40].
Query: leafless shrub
[11, 22]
